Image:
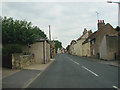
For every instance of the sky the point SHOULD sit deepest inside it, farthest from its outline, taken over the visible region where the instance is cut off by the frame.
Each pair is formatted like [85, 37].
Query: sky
[66, 18]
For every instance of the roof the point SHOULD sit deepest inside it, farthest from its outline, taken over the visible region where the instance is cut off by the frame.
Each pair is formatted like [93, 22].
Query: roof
[73, 41]
[81, 37]
[90, 37]
[42, 40]
[95, 34]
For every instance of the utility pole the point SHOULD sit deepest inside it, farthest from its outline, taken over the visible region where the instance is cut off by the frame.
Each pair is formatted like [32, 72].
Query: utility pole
[50, 41]
[49, 33]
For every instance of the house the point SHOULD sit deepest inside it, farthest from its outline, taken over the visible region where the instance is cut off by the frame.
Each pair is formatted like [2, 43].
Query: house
[59, 51]
[86, 47]
[79, 48]
[52, 49]
[109, 47]
[96, 38]
[119, 45]
[63, 50]
[88, 41]
[41, 51]
[38, 52]
[71, 48]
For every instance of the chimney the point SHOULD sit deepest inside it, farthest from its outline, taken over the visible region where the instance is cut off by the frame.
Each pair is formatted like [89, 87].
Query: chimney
[89, 32]
[100, 24]
[85, 31]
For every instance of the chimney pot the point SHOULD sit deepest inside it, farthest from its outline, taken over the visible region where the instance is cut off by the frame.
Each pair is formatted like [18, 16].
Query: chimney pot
[101, 24]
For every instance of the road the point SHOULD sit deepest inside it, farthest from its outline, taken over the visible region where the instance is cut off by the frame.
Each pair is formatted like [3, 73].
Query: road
[19, 79]
[75, 72]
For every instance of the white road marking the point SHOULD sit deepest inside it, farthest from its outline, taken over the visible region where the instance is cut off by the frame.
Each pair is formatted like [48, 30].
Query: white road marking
[75, 62]
[116, 87]
[90, 71]
[84, 67]
[31, 80]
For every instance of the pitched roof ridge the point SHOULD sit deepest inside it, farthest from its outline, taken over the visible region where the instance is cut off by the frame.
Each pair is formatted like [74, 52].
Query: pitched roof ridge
[81, 36]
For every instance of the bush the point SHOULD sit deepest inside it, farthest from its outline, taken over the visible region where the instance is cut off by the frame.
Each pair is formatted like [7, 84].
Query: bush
[11, 48]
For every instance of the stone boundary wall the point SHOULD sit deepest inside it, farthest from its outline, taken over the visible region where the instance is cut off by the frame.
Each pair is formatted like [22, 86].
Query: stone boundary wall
[20, 61]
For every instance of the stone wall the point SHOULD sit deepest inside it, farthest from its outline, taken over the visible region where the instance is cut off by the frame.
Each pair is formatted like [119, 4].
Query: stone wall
[20, 61]
[37, 50]
[112, 47]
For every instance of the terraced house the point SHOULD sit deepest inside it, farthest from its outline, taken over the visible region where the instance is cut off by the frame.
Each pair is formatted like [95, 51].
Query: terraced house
[98, 41]
[79, 48]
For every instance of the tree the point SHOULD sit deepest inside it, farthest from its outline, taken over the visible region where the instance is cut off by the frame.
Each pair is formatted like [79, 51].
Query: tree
[58, 44]
[18, 31]
[68, 47]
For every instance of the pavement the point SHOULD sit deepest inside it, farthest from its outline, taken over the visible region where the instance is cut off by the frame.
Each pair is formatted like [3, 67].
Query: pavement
[21, 78]
[115, 63]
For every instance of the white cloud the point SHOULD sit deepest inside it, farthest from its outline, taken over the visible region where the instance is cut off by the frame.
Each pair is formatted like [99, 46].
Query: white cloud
[67, 19]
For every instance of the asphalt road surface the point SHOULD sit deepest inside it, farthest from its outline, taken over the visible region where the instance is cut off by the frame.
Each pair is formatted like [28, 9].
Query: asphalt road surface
[19, 79]
[75, 72]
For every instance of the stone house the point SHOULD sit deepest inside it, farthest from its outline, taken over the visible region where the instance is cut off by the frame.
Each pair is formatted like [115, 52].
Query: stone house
[119, 45]
[53, 49]
[87, 41]
[96, 38]
[79, 48]
[38, 52]
[71, 48]
[109, 47]
[41, 51]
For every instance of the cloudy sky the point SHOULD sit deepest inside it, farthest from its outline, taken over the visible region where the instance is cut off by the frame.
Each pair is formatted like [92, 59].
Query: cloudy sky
[67, 19]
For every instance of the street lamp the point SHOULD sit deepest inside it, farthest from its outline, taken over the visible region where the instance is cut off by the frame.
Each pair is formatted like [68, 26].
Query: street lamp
[118, 10]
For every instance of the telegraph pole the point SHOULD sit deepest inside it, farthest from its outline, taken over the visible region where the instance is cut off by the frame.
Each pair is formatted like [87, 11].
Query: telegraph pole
[50, 41]
[49, 33]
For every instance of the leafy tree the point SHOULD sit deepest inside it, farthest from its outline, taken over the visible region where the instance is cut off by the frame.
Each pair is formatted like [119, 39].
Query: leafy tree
[68, 47]
[12, 48]
[58, 44]
[18, 32]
